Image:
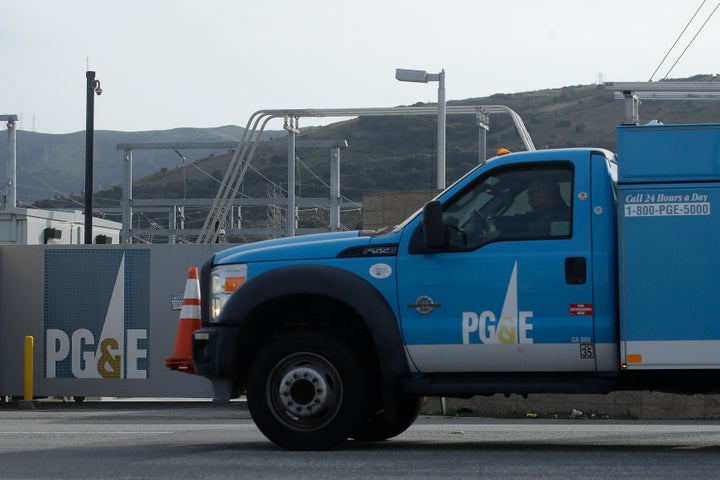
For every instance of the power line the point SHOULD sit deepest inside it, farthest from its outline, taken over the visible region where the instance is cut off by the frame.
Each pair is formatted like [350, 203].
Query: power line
[267, 179]
[322, 182]
[50, 187]
[677, 40]
[219, 182]
[692, 40]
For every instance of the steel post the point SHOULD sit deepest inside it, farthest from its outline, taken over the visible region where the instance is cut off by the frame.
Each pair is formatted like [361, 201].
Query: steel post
[127, 197]
[335, 189]
[11, 168]
[89, 141]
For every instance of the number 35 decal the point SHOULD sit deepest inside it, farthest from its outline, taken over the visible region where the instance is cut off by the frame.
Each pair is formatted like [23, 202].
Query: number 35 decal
[587, 350]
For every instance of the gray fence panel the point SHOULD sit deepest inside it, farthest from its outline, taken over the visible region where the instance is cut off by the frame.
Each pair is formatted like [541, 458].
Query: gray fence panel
[61, 296]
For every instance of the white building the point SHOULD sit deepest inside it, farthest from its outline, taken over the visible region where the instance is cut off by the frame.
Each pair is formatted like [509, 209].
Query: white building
[30, 226]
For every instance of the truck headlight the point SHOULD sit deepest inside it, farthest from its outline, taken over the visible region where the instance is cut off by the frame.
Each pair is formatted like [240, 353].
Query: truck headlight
[224, 280]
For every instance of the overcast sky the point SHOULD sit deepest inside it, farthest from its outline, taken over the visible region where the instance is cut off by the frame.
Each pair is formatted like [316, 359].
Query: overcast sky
[175, 63]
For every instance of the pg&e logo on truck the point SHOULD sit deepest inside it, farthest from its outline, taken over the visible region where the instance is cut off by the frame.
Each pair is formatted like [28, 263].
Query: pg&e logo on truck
[96, 305]
[511, 327]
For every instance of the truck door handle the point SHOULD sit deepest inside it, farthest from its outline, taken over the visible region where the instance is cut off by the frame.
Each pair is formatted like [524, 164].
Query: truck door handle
[575, 271]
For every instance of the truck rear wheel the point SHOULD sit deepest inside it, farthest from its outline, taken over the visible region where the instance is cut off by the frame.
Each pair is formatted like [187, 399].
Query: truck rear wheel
[305, 391]
[378, 428]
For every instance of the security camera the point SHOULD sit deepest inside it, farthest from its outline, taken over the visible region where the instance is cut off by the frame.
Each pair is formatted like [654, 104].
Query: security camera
[98, 90]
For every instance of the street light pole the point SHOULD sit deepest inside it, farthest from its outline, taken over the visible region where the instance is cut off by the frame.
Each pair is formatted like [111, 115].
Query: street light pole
[421, 76]
[93, 87]
[441, 131]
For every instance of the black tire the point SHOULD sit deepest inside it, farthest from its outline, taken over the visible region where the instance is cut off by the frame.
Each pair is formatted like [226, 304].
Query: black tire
[376, 428]
[306, 391]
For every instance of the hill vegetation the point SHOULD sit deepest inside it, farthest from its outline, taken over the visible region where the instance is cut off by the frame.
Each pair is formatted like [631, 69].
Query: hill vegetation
[385, 153]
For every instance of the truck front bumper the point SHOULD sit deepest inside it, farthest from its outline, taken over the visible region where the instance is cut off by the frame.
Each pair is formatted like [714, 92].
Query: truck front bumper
[217, 353]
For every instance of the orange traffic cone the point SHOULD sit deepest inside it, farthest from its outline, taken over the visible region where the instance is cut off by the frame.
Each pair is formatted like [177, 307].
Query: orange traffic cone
[181, 359]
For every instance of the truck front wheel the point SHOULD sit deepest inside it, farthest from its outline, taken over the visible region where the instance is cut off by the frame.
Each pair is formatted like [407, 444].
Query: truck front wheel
[305, 391]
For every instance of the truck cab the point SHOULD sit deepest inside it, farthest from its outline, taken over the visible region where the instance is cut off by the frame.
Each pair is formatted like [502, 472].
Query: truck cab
[511, 286]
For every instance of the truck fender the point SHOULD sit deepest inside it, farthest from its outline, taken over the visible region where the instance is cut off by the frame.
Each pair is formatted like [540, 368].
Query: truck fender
[335, 283]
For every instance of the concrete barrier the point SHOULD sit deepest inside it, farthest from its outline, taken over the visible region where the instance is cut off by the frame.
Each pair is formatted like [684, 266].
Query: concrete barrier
[641, 405]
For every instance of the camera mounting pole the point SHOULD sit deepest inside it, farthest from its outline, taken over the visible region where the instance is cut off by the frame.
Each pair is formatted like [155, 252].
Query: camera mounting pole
[93, 87]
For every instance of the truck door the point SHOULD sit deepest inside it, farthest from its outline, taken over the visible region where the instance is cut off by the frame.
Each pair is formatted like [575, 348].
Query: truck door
[511, 289]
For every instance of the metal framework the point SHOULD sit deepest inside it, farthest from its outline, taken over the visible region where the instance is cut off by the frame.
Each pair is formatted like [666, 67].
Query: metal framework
[245, 150]
[127, 202]
[176, 206]
[11, 167]
[634, 92]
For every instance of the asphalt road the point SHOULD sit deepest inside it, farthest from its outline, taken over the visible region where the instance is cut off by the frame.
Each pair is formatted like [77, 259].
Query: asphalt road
[123, 440]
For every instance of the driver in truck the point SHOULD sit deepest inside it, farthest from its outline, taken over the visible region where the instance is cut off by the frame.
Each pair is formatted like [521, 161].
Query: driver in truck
[549, 215]
[547, 206]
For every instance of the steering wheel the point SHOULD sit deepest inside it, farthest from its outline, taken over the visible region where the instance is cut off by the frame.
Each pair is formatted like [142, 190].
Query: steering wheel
[476, 228]
[455, 236]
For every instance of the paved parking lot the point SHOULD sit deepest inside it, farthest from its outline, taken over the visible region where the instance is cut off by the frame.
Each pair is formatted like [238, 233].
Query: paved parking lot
[175, 440]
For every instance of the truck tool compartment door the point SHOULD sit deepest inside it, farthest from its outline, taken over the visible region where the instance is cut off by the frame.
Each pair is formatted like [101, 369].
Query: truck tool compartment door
[511, 290]
[669, 209]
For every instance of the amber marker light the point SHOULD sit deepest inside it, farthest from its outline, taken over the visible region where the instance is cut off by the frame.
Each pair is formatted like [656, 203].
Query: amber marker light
[232, 283]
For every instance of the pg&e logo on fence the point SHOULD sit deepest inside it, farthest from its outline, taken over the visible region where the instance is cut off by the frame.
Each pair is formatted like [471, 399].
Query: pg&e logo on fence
[96, 305]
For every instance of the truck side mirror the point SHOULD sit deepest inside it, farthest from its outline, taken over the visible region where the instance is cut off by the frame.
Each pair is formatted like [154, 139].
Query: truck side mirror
[433, 231]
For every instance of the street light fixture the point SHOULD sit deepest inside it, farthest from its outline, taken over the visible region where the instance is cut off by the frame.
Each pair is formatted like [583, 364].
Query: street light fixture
[421, 76]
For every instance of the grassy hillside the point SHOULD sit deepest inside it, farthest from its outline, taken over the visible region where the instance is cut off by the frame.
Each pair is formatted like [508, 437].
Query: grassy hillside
[385, 153]
[53, 165]
[399, 153]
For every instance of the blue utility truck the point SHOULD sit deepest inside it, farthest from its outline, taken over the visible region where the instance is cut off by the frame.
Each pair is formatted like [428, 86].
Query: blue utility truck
[554, 271]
